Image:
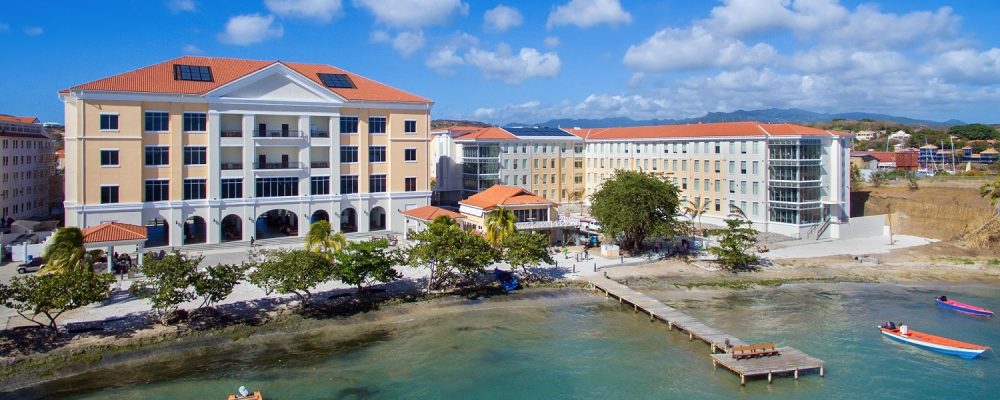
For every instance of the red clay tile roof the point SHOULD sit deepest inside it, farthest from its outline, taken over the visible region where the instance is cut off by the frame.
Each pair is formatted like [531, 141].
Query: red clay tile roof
[428, 213]
[500, 195]
[719, 129]
[112, 232]
[159, 78]
[22, 120]
[491, 133]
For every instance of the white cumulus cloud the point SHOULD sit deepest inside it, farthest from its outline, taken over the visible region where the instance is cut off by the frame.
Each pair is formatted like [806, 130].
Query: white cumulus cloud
[318, 10]
[695, 48]
[414, 14]
[552, 41]
[967, 65]
[501, 18]
[244, 30]
[588, 13]
[512, 68]
[33, 30]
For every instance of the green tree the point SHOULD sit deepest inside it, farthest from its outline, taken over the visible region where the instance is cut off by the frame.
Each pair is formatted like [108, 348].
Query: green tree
[65, 251]
[633, 205]
[167, 281]
[52, 294]
[291, 271]
[450, 252]
[696, 208]
[217, 282]
[878, 178]
[855, 177]
[322, 239]
[973, 132]
[500, 223]
[735, 243]
[911, 181]
[991, 191]
[523, 249]
[361, 264]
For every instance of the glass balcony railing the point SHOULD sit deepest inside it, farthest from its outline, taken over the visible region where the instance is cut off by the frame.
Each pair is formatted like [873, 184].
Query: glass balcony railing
[231, 166]
[319, 164]
[231, 133]
[278, 165]
[277, 133]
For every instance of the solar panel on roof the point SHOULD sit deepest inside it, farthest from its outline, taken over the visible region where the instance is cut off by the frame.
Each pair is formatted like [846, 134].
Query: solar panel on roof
[197, 73]
[341, 81]
[537, 132]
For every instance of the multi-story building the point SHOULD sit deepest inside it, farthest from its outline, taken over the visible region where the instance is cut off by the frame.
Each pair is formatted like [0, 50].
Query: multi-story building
[204, 149]
[27, 164]
[786, 178]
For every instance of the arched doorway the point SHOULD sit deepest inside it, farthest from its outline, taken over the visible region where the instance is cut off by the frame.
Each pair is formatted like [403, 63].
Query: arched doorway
[157, 233]
[348, 220]
[319, 215]
[194, 230]
[276, 223]
[376, 219]
[232, 228]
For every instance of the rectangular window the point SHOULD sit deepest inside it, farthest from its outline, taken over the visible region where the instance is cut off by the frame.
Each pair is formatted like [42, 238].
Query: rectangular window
[195, 122]
[348, 125]
[718, 150]
[282, 186]
[755, 208]
[732, 147]
[743, 167]
[697, 184]
[109, 122]
[684, 165]
[755, 167]
[718, 166]
[376, 125]
[756, 187]
[411, 155]
[109, 158]
[157, 190]
[349, 154]
[743, 187]
[348, 184]
[410, 184]
[409, 126]
[743, 206]
[717, 205]
[718, 186]
[157, 121]
[743, 147]
[376, 154]
[376, 183]
[198, 73]
[732, 187]
[732, 167]
[232, 188]
[194, 189]
[109, 194]
[157, 155]
[684, 183]
[319, 185]
[697, 165]
[195, 155]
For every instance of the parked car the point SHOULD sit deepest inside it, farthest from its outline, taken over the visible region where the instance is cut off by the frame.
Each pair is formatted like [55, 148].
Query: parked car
[31, 266]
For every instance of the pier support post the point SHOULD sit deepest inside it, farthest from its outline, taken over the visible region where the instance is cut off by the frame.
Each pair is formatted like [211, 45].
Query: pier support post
[690, 336]
[651, 319]
[712, 346]
[635, 309]
[821, 372]
[743, 380]
[715, 365]
[670, 326]
[796, 374]
[768, 377]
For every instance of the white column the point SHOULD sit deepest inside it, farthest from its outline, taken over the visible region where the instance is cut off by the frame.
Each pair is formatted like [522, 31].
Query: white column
[304, 156]
[214, 156]
[335, 206]
[249, 155]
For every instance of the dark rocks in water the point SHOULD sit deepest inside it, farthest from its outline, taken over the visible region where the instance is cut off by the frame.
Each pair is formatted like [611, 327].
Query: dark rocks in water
[360, 392]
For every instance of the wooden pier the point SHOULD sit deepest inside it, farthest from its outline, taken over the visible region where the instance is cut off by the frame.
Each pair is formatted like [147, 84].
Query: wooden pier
[789, 362]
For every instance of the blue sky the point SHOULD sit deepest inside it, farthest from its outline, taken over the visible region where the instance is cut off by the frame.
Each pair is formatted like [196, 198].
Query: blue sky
[530, 61]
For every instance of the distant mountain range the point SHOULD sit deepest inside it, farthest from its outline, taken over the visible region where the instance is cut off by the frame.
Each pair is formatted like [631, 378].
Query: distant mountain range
[771, 115]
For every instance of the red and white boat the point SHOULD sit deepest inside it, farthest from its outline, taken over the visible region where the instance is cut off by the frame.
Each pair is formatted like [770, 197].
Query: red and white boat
[932, 342]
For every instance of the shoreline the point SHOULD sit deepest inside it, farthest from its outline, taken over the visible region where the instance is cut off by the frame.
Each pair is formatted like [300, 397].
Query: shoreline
[86, 353]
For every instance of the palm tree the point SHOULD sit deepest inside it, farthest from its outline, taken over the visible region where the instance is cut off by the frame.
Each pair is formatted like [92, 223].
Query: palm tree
[321, 239]
[65, 251]
[500, 223]
[737, 212]
[696, 208]
[992, 191]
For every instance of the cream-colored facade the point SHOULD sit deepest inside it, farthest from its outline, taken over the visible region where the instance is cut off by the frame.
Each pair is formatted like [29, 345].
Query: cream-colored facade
[27, 158]
[256, 158]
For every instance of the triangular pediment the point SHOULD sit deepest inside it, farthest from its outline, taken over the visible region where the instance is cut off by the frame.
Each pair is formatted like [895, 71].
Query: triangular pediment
[275, 83]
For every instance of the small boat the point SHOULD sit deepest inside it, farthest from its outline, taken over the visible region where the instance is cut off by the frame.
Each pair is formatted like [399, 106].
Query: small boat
[963, 308]
[507, 280]
[244, 394]
[936, 343]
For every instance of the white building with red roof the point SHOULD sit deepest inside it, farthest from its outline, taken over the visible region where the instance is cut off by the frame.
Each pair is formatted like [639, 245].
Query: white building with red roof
[210, 150]
[26, 164]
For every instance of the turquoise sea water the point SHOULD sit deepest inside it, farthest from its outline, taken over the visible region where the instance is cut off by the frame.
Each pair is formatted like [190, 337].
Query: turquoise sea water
[593, 349]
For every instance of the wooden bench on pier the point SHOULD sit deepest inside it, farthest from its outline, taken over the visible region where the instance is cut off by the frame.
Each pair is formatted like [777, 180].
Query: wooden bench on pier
[754, 351]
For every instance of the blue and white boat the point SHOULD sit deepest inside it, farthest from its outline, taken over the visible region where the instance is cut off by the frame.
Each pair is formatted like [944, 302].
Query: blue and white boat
[935, 343]
[963, 308]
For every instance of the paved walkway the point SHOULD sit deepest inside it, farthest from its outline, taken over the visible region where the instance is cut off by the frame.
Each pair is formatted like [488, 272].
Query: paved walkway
[851, 247]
